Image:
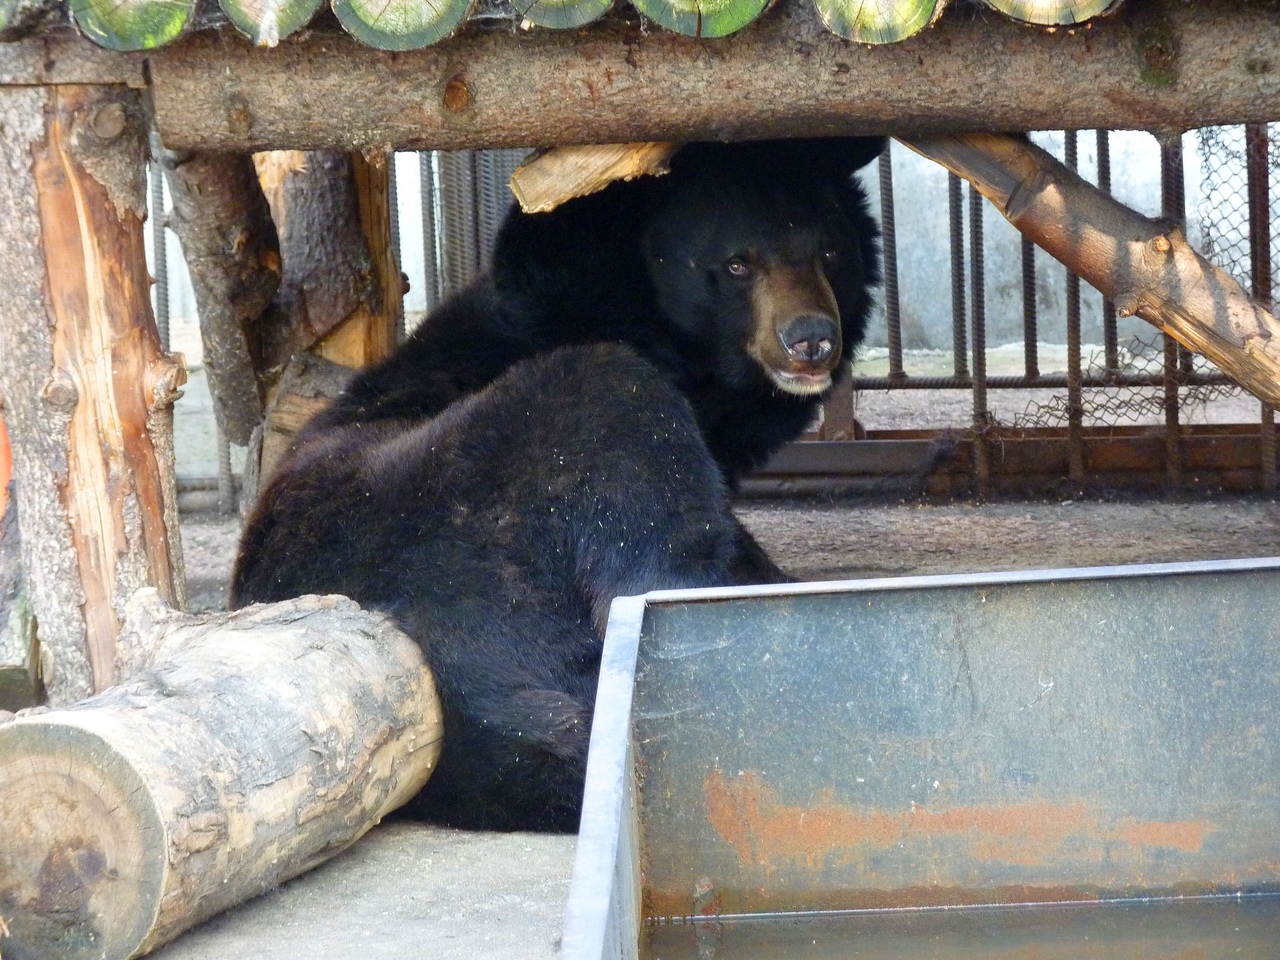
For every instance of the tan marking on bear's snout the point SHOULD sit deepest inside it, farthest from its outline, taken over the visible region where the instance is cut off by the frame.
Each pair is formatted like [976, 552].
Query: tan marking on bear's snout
[781, 293]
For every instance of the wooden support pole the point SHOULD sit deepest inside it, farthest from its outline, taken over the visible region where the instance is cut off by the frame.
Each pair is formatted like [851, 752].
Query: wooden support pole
[1147, 268]
[229, 241]
[241, 750]
[88, 391]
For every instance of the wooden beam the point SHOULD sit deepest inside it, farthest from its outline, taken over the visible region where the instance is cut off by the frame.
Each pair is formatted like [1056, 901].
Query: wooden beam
[63, 56]
[1157, 64]
[88, 391]
[1144, 267]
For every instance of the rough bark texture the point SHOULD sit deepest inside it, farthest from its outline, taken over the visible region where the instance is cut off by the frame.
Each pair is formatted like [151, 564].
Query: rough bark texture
[369, 333]
[243, 749]
[329, 271]
[63, 56]
[221, 217]
[37, 418]
[19, 652]
[1145, 267]
[1157, 64]
[18, 18]
[551, 178]
[88, 390]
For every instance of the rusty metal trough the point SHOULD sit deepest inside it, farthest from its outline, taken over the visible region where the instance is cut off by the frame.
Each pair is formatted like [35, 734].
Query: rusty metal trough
[1063, 761]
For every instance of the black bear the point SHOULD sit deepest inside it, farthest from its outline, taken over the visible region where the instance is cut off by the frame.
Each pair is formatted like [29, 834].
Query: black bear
[567, 431]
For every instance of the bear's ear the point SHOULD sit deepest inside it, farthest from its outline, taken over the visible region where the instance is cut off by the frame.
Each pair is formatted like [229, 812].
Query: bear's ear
[843, 154]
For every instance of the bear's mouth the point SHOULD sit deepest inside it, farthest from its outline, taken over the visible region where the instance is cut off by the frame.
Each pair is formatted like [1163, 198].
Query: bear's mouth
[800, 384]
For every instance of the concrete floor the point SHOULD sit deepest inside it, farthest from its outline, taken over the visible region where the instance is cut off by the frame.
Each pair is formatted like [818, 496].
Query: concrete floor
[405, 892]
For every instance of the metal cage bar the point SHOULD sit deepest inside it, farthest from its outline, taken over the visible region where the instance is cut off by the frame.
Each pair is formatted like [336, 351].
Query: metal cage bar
[1075, 399]
[888, 231]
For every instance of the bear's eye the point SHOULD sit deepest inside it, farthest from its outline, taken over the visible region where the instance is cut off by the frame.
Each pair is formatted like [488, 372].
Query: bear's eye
[738, 267]
[830, 257]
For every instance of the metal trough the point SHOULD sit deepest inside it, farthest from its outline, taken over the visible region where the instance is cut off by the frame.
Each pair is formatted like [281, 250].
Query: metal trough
[1074, 763]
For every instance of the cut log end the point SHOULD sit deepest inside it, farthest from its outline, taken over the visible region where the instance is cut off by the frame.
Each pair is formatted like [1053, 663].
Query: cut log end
[131, 24]
[266, 24]
[881, 21]
[702, 18]
[1054, 12]
[561, 14]
[401, 24]
[82, 862]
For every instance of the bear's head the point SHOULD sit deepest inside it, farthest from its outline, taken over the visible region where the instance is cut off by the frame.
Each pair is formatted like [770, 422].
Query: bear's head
[749, 263]
[765, 252]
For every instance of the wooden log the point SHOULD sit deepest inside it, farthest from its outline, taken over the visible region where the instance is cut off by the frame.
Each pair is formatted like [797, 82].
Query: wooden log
[702, 18]
[329, 270]
[1053, 12]
[611, 82]
[878, 21]
[369, 333]
[563, 173]
[131, 24]
[243, 749]
[229, 241]
[267, 22]
[88, 391]
[1147, 268]
[401, 24]
[561, 14]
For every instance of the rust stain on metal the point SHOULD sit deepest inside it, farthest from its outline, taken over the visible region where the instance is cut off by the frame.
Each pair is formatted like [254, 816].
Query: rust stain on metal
[745, 813]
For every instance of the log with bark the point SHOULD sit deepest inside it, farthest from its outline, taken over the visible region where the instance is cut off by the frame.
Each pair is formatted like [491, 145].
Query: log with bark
[243, 749]
[88, 390]
[563, 173]
[342, 293]
[308, 385]
[131, 24]
[229, 242]
[1149, 66]
[1145, 267]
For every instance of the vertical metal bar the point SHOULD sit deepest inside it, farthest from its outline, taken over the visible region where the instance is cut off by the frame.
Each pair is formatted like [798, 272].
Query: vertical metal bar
[430, 233]
[958, 312]
[226, 480]
[1075, 396]
[981, 417]
[889, 234]
[1173, 209]
[1110, 335]
[1258, 173]
[159, 247]
[1030, 319]
[457, 212]
[393, 207]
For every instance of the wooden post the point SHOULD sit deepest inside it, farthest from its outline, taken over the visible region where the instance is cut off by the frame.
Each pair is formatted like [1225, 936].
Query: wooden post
[240, 750]
[88, 391]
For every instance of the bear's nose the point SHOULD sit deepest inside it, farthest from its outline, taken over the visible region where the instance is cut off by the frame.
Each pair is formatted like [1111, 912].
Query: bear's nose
[810, 339]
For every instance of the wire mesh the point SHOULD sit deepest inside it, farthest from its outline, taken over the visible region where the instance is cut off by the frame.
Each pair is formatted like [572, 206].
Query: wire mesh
[1223, 210]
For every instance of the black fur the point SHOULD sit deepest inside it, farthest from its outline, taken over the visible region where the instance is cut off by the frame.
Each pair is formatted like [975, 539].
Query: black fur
[564, 432]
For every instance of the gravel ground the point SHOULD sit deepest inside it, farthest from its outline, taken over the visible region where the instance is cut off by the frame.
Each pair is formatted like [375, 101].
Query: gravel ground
[836, 541]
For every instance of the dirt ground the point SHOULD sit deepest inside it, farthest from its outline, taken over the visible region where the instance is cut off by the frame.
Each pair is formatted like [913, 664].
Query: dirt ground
[836, 541]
